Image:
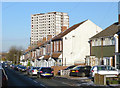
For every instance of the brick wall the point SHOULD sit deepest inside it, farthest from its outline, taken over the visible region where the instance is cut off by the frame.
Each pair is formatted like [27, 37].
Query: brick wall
[57, 68]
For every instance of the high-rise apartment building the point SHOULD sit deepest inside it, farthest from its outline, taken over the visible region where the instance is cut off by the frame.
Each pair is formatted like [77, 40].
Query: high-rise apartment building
[45, 24]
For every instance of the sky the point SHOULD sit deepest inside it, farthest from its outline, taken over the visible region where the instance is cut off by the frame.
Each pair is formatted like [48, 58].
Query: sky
[16, 17]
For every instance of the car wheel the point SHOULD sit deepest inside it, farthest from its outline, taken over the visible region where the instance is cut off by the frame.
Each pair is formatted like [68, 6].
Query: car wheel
[83, 74]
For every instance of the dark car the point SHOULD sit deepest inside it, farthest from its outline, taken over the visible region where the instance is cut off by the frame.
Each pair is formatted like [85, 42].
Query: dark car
[16, 67]
[4, 79]
[22, 68]
[68, 68]
[80, 71]
[11, 66]
[6, 65]
[45, 72]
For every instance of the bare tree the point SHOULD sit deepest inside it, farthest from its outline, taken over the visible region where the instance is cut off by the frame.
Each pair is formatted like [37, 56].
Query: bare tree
[14, 54]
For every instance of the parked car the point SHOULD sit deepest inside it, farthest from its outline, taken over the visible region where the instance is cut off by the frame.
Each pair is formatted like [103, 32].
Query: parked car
[11, 65]
[22, 68]
[45, 72]
[68, 68]
[80, 71]
[28, 69]
[16, 67]
[6, 65]
[4, 79]
[33, 70]
[104, 70]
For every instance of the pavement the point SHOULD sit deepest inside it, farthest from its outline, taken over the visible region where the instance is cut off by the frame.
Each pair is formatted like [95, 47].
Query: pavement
[87, 82]
[86, 79]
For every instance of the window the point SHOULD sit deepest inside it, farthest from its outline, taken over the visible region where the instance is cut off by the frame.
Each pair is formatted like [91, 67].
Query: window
[96, 42]
[65, 38]
[113, 41]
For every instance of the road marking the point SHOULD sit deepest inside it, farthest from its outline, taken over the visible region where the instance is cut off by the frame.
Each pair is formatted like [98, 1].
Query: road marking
[29, 78]
[35, 81]
[67, 84]
[42, 85]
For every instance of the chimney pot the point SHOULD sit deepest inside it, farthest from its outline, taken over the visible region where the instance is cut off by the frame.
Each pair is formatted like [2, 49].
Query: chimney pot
[49, 37]
[63, 28]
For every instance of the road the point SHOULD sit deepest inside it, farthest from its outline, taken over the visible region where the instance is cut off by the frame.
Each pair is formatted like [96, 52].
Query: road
[18, 79]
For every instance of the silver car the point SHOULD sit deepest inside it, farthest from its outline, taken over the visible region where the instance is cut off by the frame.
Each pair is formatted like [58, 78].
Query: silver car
[33, 71]
[104, 70]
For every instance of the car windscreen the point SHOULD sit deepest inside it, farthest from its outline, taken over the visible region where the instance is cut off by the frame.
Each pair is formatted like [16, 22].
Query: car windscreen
[34, 68]
[46, 69]
[23, 67]
[102, 68]
[110, 68]
[69, 67]
[76, 68]
[37, 68]
[106, 68]
[82, 68]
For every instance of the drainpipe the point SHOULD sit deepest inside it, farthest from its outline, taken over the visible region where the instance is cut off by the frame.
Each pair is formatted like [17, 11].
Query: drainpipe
[62, 51]
[116, 48]
[102, 51]
[51, 51]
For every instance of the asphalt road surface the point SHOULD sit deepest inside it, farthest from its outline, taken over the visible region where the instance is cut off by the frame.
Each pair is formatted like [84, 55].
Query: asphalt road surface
[18, 79]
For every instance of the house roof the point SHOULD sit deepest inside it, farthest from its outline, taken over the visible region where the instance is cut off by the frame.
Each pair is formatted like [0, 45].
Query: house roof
[109, 31]
[46, 57]
[59, 36]
[56, 55]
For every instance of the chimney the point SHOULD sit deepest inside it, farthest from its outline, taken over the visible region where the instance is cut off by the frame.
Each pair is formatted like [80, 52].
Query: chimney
[39, 43]
[63, 28]
[44, 39]
[49, 37]
[119, 22]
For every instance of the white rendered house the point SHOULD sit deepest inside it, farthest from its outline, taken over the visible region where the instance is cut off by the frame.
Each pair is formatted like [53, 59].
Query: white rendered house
[75, 42]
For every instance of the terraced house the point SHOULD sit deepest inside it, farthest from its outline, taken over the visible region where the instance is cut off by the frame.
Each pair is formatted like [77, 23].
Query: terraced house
[103, 47]
[67, 48]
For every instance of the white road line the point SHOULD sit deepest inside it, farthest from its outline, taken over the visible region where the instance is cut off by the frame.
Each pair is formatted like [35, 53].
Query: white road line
[35, 81]
[67, 84]
[42, 85]
[29, 78]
